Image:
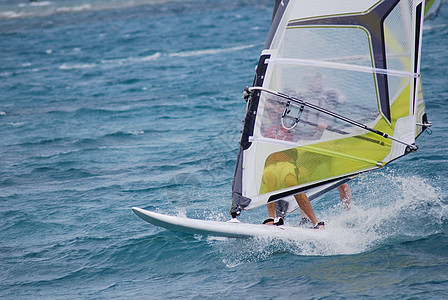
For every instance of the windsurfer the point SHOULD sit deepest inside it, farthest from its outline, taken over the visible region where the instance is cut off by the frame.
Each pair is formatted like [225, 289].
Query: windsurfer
[280, 168]
[281, 172]
[286, 173]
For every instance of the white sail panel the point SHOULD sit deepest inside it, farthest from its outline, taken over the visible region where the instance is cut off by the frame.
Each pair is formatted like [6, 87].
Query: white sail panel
[319, 8]
[341, 44]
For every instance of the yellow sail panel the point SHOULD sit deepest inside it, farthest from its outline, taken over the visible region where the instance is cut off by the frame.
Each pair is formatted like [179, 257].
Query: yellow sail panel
[399, 109]
[308, 164]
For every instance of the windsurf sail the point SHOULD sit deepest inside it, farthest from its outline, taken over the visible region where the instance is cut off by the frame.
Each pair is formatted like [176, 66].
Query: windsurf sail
[432, 8]
[335, 94]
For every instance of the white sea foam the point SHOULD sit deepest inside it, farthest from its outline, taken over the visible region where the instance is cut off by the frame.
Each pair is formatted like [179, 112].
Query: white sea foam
[76, 66]
[43, 8]
[209, 51]
[106, 63]
[73, 8]
[39, 3]
[138, 59]
[11, 14]
[151, 57]
[136, 132]
[46, 8]
[17, 124]
[429, 26]
[35, 3]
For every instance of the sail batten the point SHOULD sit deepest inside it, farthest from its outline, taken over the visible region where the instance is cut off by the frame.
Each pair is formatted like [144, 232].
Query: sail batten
[337, 93]
[341, 66]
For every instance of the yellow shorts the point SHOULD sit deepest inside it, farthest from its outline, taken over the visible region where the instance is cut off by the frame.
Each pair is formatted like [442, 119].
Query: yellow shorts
[274, 176]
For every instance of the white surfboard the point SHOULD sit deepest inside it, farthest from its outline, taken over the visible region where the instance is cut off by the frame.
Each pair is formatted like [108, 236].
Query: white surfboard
[219, 228]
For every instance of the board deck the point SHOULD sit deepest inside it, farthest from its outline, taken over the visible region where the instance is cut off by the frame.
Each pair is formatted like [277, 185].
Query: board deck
[218, 228]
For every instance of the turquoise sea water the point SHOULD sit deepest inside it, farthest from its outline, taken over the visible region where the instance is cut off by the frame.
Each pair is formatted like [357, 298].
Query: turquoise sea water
[105, 105]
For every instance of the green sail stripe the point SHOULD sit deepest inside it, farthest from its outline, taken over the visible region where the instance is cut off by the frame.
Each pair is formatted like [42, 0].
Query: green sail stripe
[342, 155]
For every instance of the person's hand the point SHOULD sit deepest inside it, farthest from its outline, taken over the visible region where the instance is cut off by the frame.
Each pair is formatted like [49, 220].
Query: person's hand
[321, 126]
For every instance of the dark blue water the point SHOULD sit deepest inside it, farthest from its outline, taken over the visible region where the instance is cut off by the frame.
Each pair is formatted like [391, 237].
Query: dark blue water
[105, 105]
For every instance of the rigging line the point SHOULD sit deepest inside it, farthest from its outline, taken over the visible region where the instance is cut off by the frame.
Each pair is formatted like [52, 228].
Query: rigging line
[323, 110]
[341, 66]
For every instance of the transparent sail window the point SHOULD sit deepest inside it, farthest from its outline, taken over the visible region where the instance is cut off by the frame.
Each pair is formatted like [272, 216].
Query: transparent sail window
[399, 41]
[349, 45]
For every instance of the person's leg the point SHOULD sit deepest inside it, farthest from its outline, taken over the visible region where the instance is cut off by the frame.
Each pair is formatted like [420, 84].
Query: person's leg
[305, 220]
[346, 195]
[302, 200]
[270, 181]
[305, 205]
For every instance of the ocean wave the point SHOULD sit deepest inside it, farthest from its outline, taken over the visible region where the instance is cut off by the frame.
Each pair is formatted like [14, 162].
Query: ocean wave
[210, 51]
[429, 26]
[95, 111]
[42, 9]
[156, 56]
[59, 172]
[105, 63]
[45, 141]
[49, 8]
[17, 124]
[122, 134]
[35, 3]
[149, 57]
[114, 62]
[77, 66]
[11, 14]
[73, 8]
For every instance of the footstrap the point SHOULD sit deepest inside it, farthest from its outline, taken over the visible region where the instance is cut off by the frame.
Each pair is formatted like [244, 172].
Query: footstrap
[270, 219]
[279, 221]
[319, 225]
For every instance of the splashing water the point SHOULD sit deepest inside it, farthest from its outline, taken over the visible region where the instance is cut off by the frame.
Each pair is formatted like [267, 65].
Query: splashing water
[406, 208]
